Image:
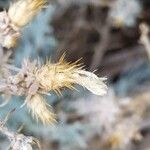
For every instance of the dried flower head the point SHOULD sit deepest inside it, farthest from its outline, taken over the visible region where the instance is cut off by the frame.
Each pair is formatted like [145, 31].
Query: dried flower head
[34, 80]
[19, 14]
[63, 74]
[23, 11]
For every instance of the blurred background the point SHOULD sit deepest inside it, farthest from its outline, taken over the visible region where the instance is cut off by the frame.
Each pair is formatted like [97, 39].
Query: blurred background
[113, 39]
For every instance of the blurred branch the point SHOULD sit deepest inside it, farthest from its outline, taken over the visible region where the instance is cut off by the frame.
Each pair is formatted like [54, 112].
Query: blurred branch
[101, 47]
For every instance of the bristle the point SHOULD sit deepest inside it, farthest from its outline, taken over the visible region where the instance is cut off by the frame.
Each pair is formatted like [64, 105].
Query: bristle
[58, 92]
[62, 58]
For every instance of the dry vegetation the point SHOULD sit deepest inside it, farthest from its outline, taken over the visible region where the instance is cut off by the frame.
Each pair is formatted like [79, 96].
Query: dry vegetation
[34, 80]
[111, 37]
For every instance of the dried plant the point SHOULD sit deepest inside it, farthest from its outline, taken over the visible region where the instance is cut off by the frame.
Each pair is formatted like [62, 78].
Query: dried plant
[22, 12]
[19, 14]
[17, 141]
[34, 80]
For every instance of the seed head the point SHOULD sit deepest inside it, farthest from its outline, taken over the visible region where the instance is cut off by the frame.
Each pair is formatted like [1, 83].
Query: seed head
[23, 11]
[34, 80]
[40, 110]
[63, 74]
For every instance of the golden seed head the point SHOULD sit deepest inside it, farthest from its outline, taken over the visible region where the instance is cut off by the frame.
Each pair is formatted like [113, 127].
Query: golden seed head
[39, 109]
[62, 74]
[23, 11]
[55, 76]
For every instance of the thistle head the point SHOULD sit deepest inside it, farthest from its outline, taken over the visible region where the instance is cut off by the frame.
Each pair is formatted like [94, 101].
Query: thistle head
[22, 12]
[65, 75]
[34, 80]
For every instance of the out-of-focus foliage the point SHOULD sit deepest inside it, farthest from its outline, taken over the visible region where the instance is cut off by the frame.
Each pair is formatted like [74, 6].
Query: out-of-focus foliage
[125, 13]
